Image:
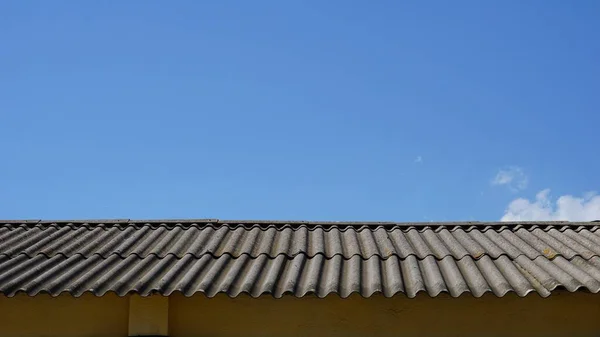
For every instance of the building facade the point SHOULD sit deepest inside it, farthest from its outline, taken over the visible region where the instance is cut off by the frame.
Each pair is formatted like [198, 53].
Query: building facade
[213, 278]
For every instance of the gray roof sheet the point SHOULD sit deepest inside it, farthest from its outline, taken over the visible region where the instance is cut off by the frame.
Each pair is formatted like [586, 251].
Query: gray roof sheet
[299, 258]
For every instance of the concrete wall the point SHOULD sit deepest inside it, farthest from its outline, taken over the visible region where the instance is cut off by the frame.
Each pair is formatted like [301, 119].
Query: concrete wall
[563, 314]
[65, 316]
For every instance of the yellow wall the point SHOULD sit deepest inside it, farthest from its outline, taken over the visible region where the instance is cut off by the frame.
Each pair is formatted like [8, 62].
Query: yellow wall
[148, 316]
[65, 316]
[563, 314]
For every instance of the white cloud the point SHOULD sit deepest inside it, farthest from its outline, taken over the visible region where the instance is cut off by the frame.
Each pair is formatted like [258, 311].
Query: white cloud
[566, 208]
[513, 177]
[419, 159]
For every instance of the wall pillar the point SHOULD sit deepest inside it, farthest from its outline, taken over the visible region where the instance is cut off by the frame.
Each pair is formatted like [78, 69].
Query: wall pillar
[148, 316]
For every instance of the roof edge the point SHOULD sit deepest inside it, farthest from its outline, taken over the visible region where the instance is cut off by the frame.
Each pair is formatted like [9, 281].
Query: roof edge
[125, 221]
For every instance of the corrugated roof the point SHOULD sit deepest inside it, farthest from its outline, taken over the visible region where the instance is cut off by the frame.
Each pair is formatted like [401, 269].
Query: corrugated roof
[299, 258]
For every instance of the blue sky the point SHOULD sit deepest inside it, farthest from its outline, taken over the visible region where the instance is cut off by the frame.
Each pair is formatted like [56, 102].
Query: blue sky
[313, 110]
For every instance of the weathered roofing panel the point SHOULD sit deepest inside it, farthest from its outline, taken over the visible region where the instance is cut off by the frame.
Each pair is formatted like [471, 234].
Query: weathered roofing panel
[297, 258]
[439, 242]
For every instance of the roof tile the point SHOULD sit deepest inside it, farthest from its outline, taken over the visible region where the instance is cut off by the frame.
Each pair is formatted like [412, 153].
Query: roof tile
[300, 258]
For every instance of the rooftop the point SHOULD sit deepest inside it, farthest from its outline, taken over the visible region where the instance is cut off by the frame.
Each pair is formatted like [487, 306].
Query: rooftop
[300, 258]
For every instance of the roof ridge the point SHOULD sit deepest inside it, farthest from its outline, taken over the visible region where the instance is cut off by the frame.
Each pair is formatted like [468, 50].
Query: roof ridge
[311, 227]
[296, 222]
